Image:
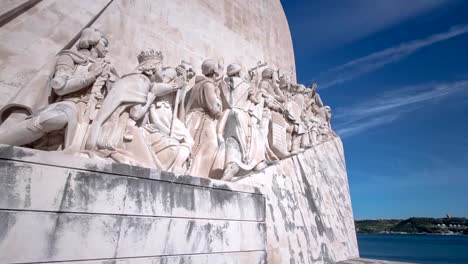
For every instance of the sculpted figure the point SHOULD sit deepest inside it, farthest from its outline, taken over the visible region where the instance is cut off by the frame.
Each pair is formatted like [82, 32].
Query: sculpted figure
[313, 100]
[294, 107]
[203, 106]
[286, 128]
[276, 129]
[325, 123]
[312, 105]
[268, 84]
[167, 99]
[77, 83]
[162, 117]
[311, 122]
[253, 76]
[127, 129]
[240, 128]
[114, 133]
[284, 81]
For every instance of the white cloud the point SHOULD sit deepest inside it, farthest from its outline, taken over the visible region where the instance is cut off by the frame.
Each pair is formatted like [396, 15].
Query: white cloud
[353, 128]
[392, 105]
[377, 60]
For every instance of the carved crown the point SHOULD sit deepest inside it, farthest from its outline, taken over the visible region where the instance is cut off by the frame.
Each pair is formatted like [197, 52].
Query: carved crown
[150, 55]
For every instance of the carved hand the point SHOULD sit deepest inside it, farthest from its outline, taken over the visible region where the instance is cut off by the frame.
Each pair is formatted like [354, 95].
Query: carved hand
[150, 98]
[178, 83]
[254, 99]
[96, 69]
[220, 139]
[181, 71]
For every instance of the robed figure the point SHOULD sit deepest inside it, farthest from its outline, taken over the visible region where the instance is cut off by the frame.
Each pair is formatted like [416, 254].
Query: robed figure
[203, 107]
[240, 127]
[126, 130]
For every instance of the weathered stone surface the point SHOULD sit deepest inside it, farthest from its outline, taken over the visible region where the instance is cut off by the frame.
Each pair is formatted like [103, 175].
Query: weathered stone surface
[128, 212]
[76, 212]
[8, 5]
[61, 160]
[308, 207]
[62, 237]
[224, 258]
[238, 31]
[25, 186]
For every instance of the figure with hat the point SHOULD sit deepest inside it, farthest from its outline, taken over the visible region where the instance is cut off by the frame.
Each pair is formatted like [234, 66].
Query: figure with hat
[64, 104]
[203, 108]
[241, 131]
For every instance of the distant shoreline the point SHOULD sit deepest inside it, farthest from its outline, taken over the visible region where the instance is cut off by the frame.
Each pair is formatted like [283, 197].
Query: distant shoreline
[415, 225]
[421, 234]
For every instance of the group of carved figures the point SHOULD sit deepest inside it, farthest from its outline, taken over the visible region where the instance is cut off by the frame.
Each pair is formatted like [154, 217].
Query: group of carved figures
[218, 125]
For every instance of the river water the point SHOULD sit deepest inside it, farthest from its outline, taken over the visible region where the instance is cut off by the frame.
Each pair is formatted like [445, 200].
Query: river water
[415, 248]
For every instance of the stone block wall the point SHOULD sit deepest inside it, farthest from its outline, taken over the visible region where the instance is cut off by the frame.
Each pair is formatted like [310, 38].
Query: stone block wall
[309, 215]
[55, 207]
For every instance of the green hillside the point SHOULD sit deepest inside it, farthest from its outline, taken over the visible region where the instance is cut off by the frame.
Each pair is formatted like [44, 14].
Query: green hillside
[452, 225]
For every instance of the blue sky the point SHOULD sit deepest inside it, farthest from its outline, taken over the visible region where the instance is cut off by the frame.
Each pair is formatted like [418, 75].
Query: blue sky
[396, 76]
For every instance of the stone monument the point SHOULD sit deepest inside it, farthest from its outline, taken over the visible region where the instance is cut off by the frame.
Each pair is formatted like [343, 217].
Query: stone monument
[125, 138]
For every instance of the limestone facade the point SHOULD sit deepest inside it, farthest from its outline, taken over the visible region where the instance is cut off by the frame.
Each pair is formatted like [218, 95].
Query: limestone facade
[141, 89]
[243, 31]
[297, 211]
[59, 208]
[309, 216]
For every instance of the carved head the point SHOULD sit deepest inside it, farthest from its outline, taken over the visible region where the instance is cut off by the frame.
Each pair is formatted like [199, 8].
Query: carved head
[209, 67]
[169, 74]
[150, 62]
[233, 70]
[185, 69]
[267, 73]
[327, 112]
[93, 41]
[300, 88]
[284, 76]
[313, 88]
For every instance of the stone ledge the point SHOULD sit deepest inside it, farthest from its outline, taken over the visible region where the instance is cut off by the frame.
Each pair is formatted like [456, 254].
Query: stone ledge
[242, 257]
[59, 208]
[370, 261]
[45, 237]
[59, 159]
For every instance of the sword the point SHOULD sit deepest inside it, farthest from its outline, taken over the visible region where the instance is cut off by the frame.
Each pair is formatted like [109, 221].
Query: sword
[176, 106]
[174, 113]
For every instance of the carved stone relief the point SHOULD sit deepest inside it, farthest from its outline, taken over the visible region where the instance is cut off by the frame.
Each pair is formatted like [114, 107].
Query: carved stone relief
[216, 123]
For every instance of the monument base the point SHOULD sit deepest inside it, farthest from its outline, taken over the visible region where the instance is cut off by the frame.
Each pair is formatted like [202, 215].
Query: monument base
[55, 207]
[59, 208]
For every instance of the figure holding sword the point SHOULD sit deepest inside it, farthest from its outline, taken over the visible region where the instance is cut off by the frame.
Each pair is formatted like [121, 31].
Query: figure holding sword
[164, 111]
